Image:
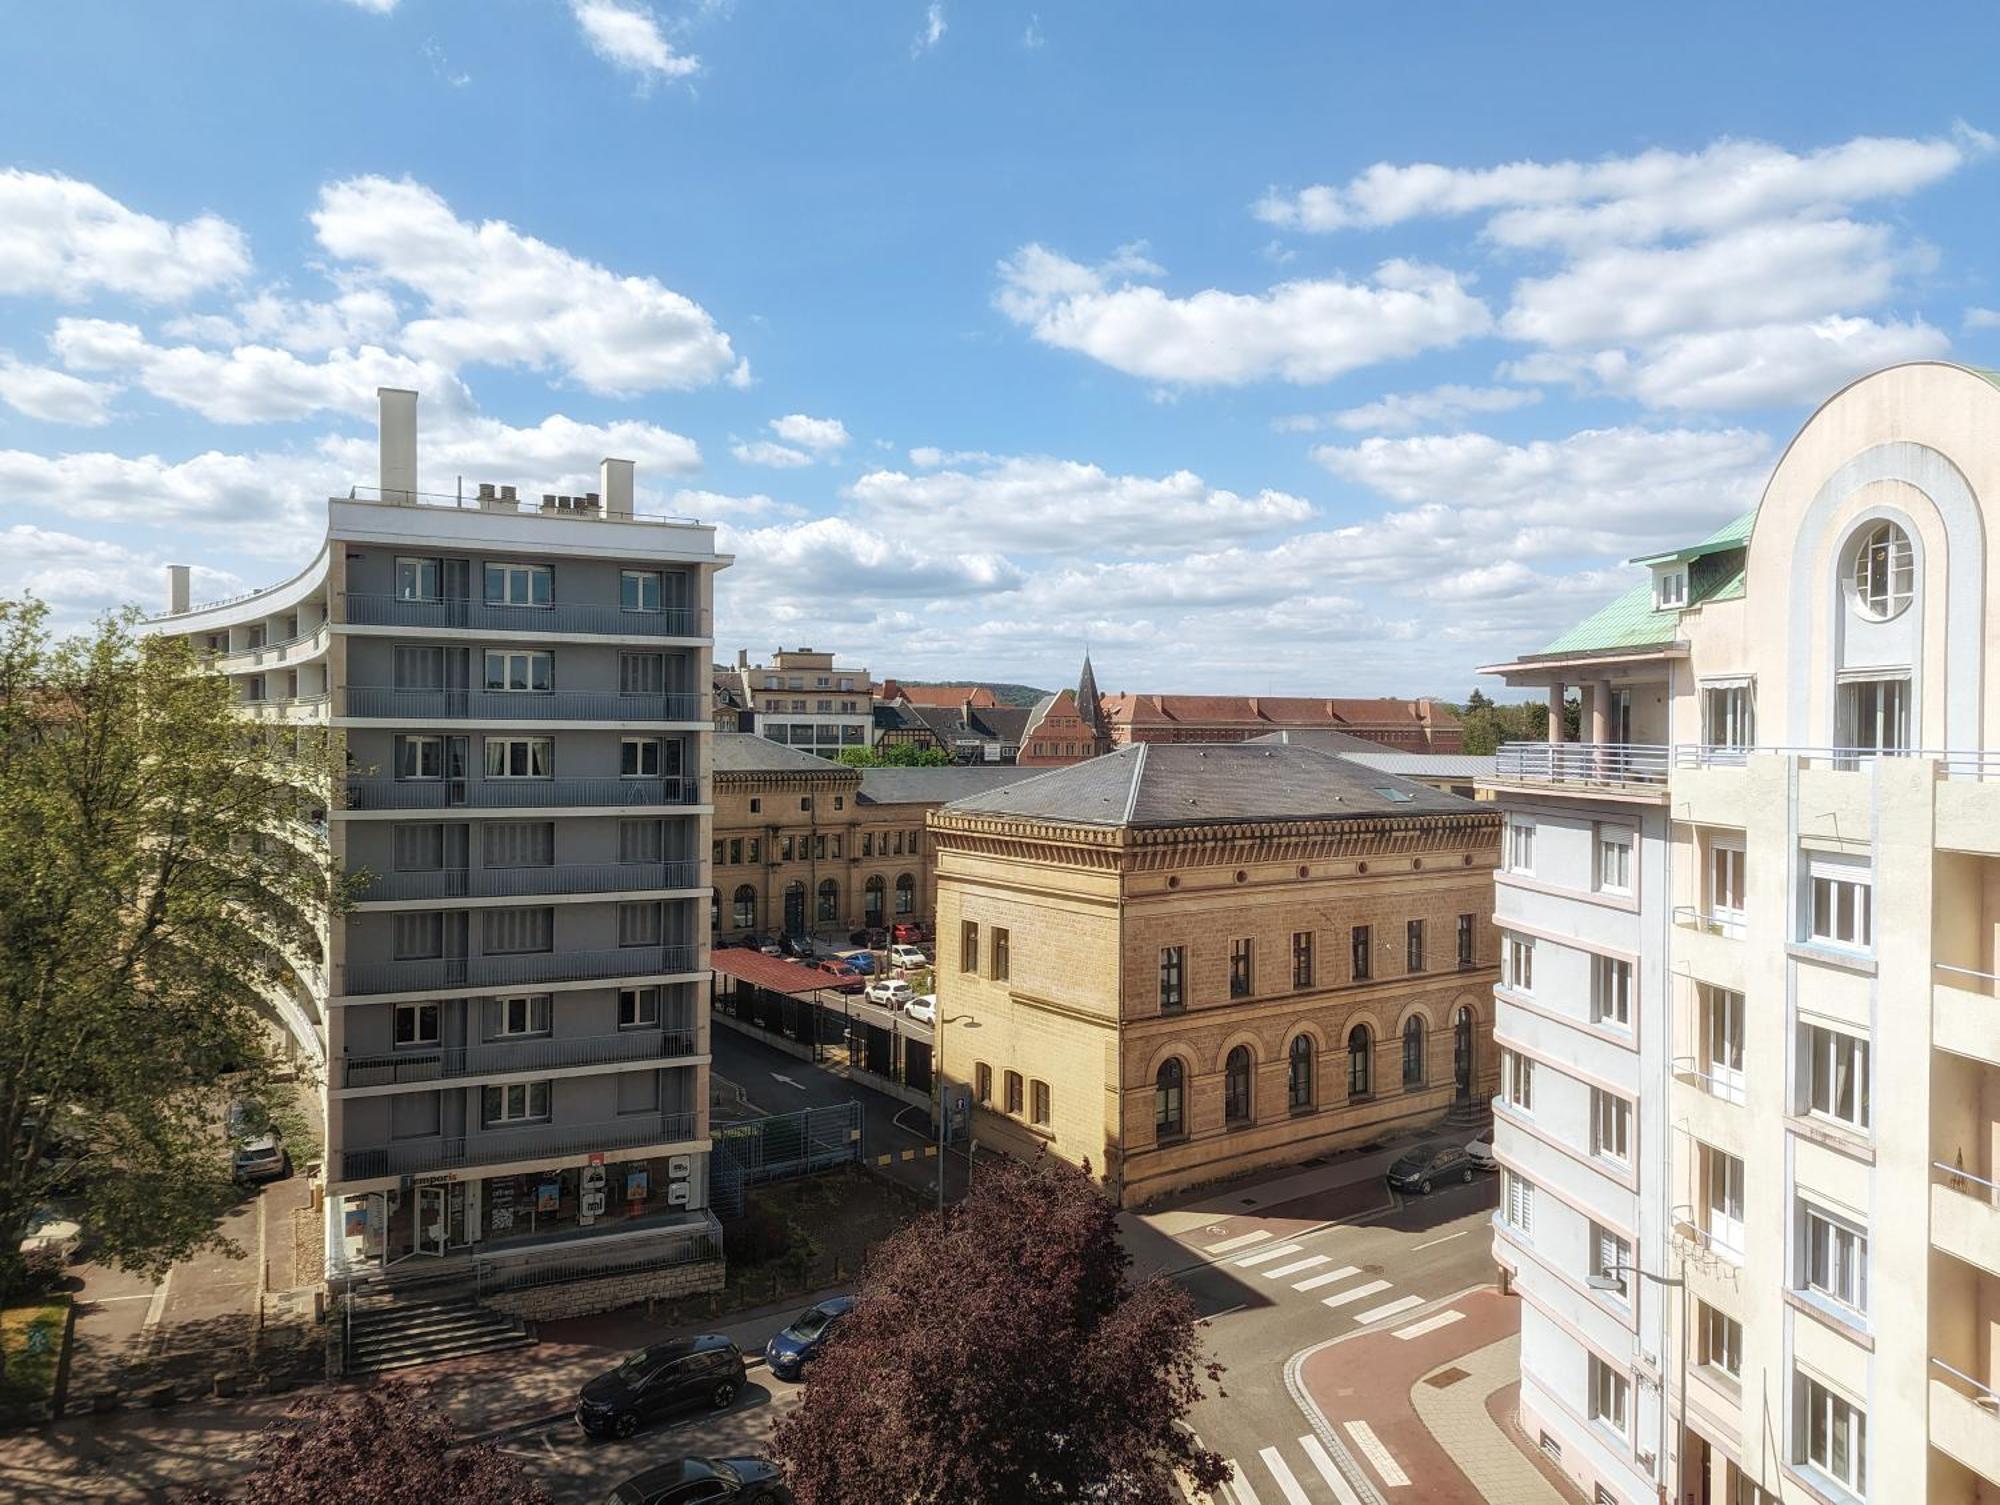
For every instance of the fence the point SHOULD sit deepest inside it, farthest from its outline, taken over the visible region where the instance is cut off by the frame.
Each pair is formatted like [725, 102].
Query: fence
[777, 1148]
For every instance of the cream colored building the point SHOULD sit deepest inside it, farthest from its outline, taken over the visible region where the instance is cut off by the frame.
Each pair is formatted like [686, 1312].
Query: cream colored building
[804, 699]
[1178, 963]
[1806, 704]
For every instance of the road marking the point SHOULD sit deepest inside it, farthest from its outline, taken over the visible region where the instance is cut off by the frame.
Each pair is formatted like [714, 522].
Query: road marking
[1356, 1294]
[1328, 1278]
[1240, 1241]
[1371, 1445]
[1335, 1479]
[1309, 1263]
[1428, 1325]
[1276, 1251]
[787, 1081]
[1377, 1313]
[1288, 1486]
[1445, 1240]
[1239, 1487]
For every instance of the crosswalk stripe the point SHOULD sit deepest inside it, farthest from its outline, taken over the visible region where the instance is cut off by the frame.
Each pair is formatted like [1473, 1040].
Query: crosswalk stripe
[1356, 1294]
[1428, 1325]
[1389, 1309]
[1328, 1278]
[1335, 1479]
[1371, 1446]
[1239, 1486]
[1288, 1486]
[1241, 1241]
[1276, 1251]
[1293, 1268]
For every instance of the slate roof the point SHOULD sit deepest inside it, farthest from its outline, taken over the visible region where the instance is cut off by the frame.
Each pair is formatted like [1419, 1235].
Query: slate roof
[1167, 784]
[1325, 738]
[936, 786]
[1427, 765]
[744, 752]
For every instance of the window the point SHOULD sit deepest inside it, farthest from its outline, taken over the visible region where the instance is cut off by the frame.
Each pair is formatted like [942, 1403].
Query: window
[419, 849]
[1607, 1396]
[1520, 845]
[1873, 715]
[1038, 1103]
[415, 669]
[515, 669]
[999, 954]
[1884, 572]
[640, 590]
[906, 893]
[642, 840]
[874, 896]
[1722, 1041]
[642, 673]
[416, 1024]
[1838, 905]
[520, 757]
[417, 579]
[1610, 1256]
[521, 1016]
[1413, 1051]
[1517, 1080]
[1299, 1073]
[1302, 959]
[642, 924]
[1610, 1126]
[1725, 881]
[1360, 1062]
[638, 1008]
[519, 585]
[419, 937]
[1614, 860]
[1517, 963]
[1360, 960]
[982, 1083]
[1834, 1075]
[968, 947]
[1832, 1434]
[1722, 1202]
[1670, 588]
[507, 932]
[1169, 1106]
[735, 851]
[1172, 970]
[520, 843]
[1517, 1202]
[1465, 940]
[1236, 1086]
[1413, 946]
[520, 1102]
[1611, 991]
[1729, 715]
[1719, 1340]
[743, 914]
[420, 757]
[756, 806]
[639, 758]
[1013, 1085]
[1240, 968]
[1833, 1257]
[829, 901]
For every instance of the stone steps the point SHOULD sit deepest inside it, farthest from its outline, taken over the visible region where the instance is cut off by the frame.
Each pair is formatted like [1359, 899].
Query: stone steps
[395, 1334]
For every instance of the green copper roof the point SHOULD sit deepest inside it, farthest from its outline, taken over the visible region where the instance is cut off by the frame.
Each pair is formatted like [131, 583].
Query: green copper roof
[1631, 622]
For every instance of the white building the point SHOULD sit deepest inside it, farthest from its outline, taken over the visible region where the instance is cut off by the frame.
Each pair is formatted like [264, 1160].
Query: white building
[806, 700]
[1801, 708]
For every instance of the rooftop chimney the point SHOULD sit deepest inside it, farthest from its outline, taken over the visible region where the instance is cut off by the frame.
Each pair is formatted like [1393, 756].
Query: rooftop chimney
[614, 479]
[177, 588]
[742, 658]
[399, 443]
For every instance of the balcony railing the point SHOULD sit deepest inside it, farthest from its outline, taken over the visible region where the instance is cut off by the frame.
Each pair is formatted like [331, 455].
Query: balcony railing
[1728, 1088]
[1596, 763]
[285, 651]
[505, 882]
[508, 794]
[281, 707]
[409, 1067]
[390, 703]
[1962, 1181]
[498, 1146]
[1689, 918]
[433, 973]
[1981, 1395]
[399, 611]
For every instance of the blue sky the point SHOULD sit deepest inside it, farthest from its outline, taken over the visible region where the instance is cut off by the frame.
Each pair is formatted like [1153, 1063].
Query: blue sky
[1279, 348]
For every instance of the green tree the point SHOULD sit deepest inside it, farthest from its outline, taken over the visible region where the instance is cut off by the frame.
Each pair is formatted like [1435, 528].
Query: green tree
[896, 755]
[160, 852]
[1487, 723]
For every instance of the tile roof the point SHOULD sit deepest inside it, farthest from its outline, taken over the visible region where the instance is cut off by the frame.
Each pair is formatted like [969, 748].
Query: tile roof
[1271, 710]
[774, 973]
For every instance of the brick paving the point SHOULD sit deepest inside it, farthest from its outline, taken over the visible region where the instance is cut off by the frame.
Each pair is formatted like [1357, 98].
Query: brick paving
[1458, 1417]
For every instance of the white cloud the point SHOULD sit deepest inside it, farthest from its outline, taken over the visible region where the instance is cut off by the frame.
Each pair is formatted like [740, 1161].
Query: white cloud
[379, 7]
[764, 452]
[265, 503]
[820, 435]
[559, 454]
[67, 240]
[497, 296]
[1982, 318]
[709, 505]
[80, 577]
[53, 396]
[628, 36]
[1301, 332]
[931, 32]
[1398, 412]
[877, 564]
[1032, 38]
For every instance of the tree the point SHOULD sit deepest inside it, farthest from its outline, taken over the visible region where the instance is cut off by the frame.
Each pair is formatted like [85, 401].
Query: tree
[896, 755]
[387, 1445]
[160, 856]
[1000, 1352]
[1487, 723]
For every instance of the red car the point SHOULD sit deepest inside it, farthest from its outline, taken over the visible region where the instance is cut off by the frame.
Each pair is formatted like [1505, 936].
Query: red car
[842, 977]
[913, 932]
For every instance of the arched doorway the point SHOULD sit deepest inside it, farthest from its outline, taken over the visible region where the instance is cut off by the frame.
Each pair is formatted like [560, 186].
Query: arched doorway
[795, 908]
[1461, 1054]
[871, 900]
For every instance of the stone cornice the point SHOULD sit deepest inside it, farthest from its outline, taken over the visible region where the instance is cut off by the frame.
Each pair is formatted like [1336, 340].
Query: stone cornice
[778, 778]
[1158, 848]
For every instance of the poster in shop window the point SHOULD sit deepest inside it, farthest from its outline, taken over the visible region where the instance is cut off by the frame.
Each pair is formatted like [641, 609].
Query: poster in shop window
[548, 1197]
[500, 1205]
[638, 1186]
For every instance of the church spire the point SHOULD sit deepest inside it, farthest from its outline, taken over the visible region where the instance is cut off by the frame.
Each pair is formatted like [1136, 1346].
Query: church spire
[1086, 695]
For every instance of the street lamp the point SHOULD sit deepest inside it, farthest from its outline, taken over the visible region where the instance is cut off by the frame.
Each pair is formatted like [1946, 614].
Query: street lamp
[1613, 1279]
[938, 1113]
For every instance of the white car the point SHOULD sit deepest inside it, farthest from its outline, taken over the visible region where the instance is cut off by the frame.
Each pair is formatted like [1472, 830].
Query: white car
[1480, 1151]
[906, 956]
[890, 992]
[922, 1008]
[50, 1232]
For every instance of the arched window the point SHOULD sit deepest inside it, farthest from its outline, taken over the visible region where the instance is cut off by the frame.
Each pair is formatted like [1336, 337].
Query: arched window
[1360, 1061]
[1169, 1100]
[1883, 573]
[871, 900]
[829, 901]
[906, 893]
[746, 908]
[1299, 1073]
[1236, 1086]
[1413, 1051]
[795, 906]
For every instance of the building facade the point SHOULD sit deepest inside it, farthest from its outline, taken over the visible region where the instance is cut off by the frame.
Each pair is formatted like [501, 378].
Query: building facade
[1802, 705]
[1178, 964]
[512, 1054]
[804, 699]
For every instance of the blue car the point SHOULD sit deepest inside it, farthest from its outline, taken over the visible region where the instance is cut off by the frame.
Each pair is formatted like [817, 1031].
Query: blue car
[788, 1352]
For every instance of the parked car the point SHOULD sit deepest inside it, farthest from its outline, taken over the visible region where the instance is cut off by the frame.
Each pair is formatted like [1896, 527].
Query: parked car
[668, 1377]
[705, 1481]
[890, 992]
[260, 1158]
[50, 1232]
[913, 931]
[861, 961]
[904, 955]
[765, 944]
[922, 1008]
[798, 947]
[788, 1352]
[874, 937]
[843, 977]
[1423, 1168]
[1480, 1152]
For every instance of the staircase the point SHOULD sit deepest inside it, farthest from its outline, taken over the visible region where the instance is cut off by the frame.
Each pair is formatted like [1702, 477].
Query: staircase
[386, 1333]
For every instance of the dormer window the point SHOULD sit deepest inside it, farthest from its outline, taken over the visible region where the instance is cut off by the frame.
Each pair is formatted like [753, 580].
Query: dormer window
[1670, 587]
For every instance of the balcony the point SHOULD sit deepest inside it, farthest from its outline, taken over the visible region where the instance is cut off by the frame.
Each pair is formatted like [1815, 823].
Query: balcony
[542, 1142]
[609, 621]
[508, 882]
[1965, 1012]
[388, 703]
[1965, 1420]
[1965, 1216]
[435, 974]
[1622, 769]
[288, 651]
[496, 1058]
[512, 794]
[285, 708]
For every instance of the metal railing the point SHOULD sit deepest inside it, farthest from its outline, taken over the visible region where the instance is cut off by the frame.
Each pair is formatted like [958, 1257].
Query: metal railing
[1609, 763]
[527, 506]
[1727, 1089]
[680, 1246]
[1962, 1181]
[1690, 918]
[225, 660]
[496, 1146]
[507, 794]
[523, 705]
[1686, 1226]
[274, 707]
[493, 971]
[496, 1057]
[1971, 972]
[1980, 1394]
[507, 882]
[579, 616]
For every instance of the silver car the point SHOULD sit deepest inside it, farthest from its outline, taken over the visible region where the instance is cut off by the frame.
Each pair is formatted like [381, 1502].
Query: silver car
[261, 1159]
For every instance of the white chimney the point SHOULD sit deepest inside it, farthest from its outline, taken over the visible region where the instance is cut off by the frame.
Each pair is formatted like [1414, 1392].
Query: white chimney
[177, 588]
[614, 479]
[399, 443]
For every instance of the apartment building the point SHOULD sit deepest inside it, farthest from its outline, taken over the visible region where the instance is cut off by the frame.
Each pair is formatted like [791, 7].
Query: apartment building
[1798, 710]
[1182, 963]
[804, 699]
[513, 1057]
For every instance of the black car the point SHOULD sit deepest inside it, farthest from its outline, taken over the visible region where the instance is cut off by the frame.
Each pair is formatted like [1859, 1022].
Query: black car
[874, 937]
[705, 1481]
[788, 1352]
[705, 1371]
[798, 947]
[1423, 1168]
